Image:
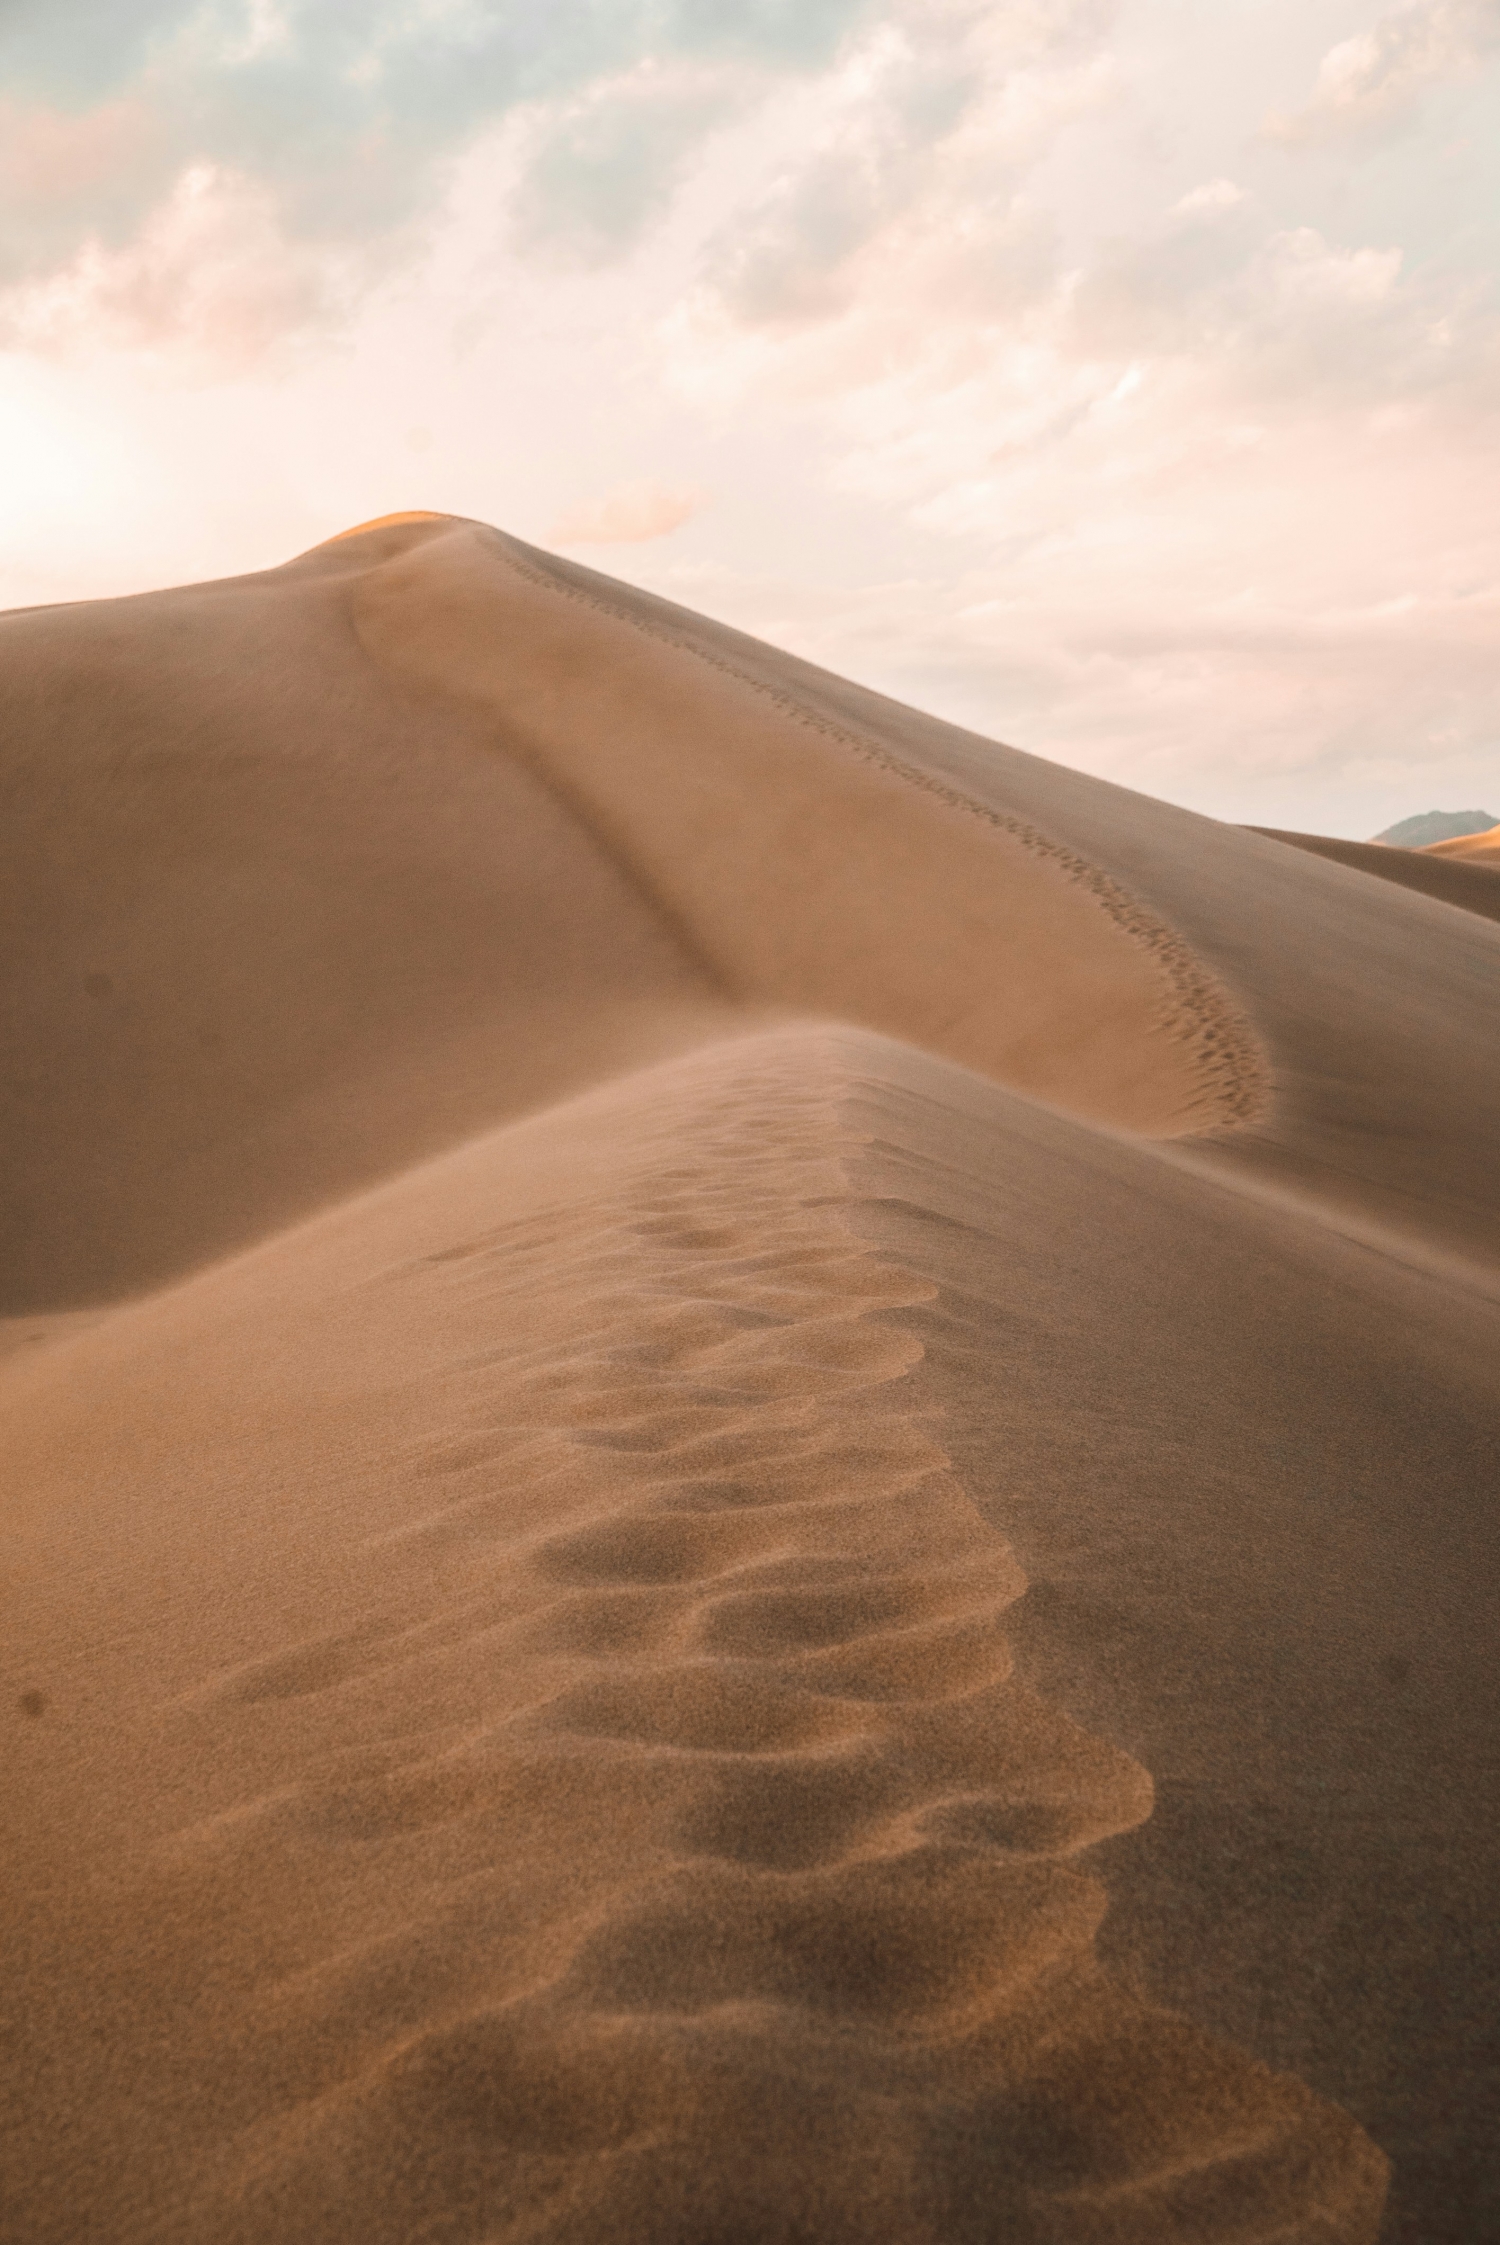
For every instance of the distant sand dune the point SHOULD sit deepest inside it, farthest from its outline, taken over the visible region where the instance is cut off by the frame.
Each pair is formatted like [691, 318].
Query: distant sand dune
[1432, 873]
[587, 1206]
[1483, 848]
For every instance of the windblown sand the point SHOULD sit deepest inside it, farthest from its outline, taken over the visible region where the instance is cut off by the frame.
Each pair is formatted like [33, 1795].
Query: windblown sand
[750, 1457]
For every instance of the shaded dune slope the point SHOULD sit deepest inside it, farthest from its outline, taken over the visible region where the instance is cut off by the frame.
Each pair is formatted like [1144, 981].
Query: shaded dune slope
[1472, 887]
[1249, 1468]
[516, 1737]
[267, 936]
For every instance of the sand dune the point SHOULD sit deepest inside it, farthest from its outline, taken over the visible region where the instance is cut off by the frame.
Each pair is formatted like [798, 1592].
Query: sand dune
[1484, 848]
[796, 852]
[270, 945]
[748, 1456]
[1469, 886]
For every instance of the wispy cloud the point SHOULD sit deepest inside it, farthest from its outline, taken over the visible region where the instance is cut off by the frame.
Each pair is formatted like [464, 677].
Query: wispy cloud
[603, 166]
[1372, 81]
[629, 515]
[339, 120]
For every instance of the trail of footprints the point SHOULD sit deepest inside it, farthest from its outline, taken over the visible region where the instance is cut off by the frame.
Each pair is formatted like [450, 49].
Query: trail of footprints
[1196, 1007]
[751, 1913]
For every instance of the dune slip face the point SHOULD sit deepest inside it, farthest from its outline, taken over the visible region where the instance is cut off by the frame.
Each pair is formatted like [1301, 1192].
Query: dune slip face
[616, 1817]
[267, 936]
[796, 853]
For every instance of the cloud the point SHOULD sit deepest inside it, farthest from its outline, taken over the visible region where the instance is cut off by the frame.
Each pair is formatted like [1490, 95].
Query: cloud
[924, 133]
[1214, 487]
[340, 122]
[1209, 200]
[1285, 321]
[630, 514]
[604, 166]
[208, 267]
[1372, 81]
[341, 119]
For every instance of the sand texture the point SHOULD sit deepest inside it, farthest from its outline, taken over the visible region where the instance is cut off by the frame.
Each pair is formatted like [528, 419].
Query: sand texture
[749, 1457]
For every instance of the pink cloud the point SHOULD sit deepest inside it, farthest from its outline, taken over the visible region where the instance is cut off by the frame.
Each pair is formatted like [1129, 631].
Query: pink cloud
[628, 515]
[1373, 78]
[49, 157]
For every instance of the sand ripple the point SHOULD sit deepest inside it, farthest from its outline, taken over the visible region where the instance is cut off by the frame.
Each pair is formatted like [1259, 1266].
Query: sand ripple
[673, 1853]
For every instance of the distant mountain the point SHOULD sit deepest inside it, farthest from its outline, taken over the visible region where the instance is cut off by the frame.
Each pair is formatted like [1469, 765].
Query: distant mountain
[1435, 826]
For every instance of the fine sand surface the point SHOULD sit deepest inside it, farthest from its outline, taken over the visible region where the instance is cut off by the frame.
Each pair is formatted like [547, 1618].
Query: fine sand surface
[750, 1457]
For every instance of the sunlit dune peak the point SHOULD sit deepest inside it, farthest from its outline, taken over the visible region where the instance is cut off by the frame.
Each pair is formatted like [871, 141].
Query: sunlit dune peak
[387, 522]
[1484, 846]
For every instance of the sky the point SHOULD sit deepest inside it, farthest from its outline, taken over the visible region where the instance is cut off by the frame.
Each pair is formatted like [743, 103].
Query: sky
[1115, 377]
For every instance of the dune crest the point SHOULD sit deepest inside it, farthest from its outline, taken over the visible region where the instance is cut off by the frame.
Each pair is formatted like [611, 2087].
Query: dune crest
[397, 521]
[795, 855]
[651, 1840]
[1483, 847]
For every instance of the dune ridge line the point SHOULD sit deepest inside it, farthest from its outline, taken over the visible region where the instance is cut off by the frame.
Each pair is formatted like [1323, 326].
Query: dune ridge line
[1199, 1009]
[433, 616]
